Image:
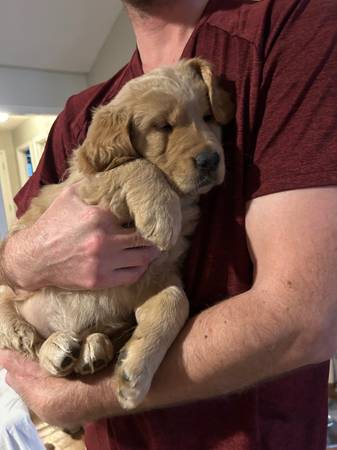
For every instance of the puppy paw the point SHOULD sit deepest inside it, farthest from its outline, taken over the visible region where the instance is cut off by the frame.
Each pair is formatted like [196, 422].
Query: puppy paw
[59, 353]
[162, 224]
[133, 381]
[97, 352]
[21, 337]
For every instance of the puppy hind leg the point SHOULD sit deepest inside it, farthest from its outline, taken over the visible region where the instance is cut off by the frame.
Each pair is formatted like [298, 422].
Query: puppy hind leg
[59, 353]
[96, 353]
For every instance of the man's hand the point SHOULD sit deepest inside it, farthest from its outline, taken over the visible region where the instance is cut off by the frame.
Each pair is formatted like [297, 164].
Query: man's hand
[59, 401]
[75, 246]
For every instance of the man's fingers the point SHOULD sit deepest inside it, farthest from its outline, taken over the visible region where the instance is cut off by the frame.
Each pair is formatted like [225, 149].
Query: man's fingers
[138, 257]
[4, 357]
[10, 360]
[122, 277]
[19, 364]
[133, 239]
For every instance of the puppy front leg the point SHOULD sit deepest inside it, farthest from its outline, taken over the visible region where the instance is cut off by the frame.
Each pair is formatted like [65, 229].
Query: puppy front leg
[138, 191]
[159, 321]
[153, 204]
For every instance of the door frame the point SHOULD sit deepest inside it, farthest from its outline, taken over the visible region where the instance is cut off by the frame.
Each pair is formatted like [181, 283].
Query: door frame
[21, 159]
[38, 146]
[6, 189]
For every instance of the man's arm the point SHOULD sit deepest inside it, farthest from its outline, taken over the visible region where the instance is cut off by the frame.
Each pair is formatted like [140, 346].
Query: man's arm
[285, 321]
[3, 272]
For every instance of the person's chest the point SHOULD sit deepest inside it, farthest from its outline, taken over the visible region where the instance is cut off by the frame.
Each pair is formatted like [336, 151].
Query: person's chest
[218, 265]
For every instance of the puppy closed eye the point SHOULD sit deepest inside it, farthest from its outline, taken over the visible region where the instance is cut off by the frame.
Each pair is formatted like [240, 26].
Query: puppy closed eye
[164, 127]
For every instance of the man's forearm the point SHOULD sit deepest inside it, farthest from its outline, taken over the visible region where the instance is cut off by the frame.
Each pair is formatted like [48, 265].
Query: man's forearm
[14, 263]
[235, 344]
[4, 279]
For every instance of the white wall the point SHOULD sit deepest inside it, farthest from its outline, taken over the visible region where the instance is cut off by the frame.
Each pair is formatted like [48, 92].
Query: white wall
[32, 133]
[25, 133]
[3, 221]
[31, 128]
[6, 143]
[116, 51]
[27, 91]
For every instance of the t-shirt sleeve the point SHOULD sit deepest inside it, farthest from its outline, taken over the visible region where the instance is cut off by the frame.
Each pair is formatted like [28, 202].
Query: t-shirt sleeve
[296, 120]
[53, 162]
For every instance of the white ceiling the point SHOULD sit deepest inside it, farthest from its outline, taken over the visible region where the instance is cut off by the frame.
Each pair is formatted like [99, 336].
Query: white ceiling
[62, 35]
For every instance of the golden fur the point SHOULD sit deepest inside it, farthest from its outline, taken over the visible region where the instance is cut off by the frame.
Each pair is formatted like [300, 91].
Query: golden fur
[138, 160]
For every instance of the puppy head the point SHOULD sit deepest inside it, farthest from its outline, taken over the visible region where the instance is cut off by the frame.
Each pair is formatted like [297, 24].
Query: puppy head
[170, 116]
[176, 124]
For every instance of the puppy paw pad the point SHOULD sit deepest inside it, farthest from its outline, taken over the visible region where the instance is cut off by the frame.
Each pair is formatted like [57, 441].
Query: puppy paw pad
[132, 387]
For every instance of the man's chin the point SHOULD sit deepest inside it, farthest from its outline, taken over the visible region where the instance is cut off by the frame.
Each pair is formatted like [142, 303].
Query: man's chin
[144, 5]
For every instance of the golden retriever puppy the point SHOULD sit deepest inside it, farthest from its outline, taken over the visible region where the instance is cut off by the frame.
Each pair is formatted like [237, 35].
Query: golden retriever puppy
[147, 156]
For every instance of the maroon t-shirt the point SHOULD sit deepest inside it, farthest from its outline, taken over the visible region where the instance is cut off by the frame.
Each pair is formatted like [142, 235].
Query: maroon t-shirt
[278, 58]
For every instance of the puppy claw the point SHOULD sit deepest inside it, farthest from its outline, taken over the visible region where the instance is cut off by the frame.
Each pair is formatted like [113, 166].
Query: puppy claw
[125, 377]
[99, 364]
[121, 357]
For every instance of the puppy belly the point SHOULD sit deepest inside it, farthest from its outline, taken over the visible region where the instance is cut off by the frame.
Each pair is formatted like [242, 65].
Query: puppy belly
[81, 313]
[38, 313]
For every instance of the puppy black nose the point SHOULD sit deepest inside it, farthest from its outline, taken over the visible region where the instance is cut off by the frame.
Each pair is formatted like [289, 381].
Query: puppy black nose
[207, 160]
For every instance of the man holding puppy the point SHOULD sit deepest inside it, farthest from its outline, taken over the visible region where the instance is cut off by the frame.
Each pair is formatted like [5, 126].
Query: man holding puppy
[261, 273]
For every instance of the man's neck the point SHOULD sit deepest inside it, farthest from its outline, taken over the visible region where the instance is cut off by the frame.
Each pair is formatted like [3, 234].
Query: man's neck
[162, 31]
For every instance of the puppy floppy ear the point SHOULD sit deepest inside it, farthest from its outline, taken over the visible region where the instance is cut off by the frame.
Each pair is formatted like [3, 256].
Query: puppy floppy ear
[108, 142]
[221, 104]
